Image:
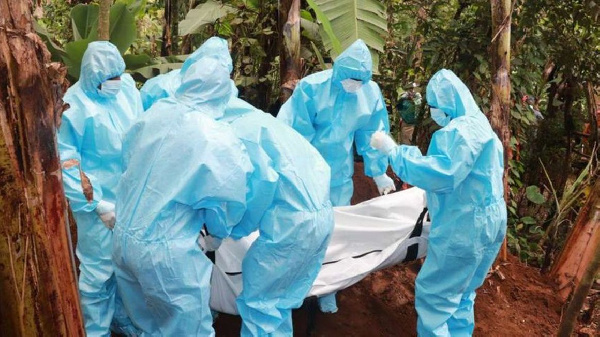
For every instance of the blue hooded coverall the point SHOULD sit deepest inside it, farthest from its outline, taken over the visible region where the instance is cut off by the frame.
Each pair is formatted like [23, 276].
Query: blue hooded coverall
[90, 139]
[183, 170]
[462, 176]
[334, 120]
[165, 85]
[282, 264]
[288, 202]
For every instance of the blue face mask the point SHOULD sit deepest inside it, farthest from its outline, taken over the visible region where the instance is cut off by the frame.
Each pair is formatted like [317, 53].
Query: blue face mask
[110, 87]
[440, 117]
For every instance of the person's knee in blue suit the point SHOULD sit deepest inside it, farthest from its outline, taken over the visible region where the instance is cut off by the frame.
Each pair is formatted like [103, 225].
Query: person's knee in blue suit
[103, 105]
[462, 176]
[336, 111]
[184, 171]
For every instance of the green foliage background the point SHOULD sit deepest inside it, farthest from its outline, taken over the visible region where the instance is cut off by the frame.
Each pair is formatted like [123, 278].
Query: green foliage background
[555, 54]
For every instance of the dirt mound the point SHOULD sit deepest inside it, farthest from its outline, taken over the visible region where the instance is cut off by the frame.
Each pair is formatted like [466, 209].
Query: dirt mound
[524, 302]
[515, 301]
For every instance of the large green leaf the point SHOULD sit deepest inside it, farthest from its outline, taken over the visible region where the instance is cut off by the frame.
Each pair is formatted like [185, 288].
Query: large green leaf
[74, 53]
[534, 195]
[202, 15]
[319, 56]
[354, 19]
[137, 61]
[153, 67]
[84, 19]
[123, 30]
[55, 50]
[145, 73]
[310, 30]
[528, 220]
[135, 6]
[170, 59]
[329, 38]
[252, 4]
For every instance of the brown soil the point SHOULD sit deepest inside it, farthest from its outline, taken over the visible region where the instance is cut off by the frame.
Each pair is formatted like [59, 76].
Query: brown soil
[521, 304]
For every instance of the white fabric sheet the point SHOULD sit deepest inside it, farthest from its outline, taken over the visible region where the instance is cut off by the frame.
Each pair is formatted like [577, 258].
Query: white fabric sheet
[367, 237]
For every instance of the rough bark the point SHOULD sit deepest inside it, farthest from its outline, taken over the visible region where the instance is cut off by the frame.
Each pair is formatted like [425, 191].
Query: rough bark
[581, 246]
[169, 36]
[104, 20]
[186, 41]
[418, 41]
[291, 63]
[500, 107]
[38, 286]
[568, 97]
[593, 105]
[569, 319]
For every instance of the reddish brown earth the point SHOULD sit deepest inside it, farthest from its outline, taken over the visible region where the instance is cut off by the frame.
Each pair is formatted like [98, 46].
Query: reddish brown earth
[523, 303]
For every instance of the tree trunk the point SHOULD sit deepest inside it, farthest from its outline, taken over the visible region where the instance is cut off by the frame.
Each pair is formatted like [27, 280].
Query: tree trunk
[580, 248]
[104, 20]
[290, 62]
[592, 105]
[418, 41]
[587, 278]
[568, 97]
[534, 169]
[38, 285]
[186, 41]
[500, 107]
[169, 37]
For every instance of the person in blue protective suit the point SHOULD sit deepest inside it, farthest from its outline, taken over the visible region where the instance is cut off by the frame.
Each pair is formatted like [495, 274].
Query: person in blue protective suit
[183, 171]
[288, 203]
[462, 176]
[165, 85]
[103, 105]
[336, 110]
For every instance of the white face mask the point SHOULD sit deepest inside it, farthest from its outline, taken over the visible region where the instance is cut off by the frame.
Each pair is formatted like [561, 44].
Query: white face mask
[110, 87]
[351, 85]
[440, 117]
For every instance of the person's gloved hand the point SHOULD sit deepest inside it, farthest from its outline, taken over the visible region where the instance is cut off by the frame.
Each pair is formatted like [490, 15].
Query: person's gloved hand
[383, 142]
[106, 212]
[208, 243]
[385, 184]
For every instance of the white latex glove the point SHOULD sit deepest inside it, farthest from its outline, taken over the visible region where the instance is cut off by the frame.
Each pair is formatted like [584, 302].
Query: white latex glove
[208, 243]
[106, 212]
[385, 184]
[383, 142]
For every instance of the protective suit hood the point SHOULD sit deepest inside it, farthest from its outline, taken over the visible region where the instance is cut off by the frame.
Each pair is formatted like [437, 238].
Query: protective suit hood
[355, 62]
[448, 93]
[206, 87]
[214, 47]
[101, 61]
[166, 85]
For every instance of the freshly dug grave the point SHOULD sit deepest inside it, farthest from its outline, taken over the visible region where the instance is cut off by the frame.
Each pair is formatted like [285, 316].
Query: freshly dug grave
[516, 301]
